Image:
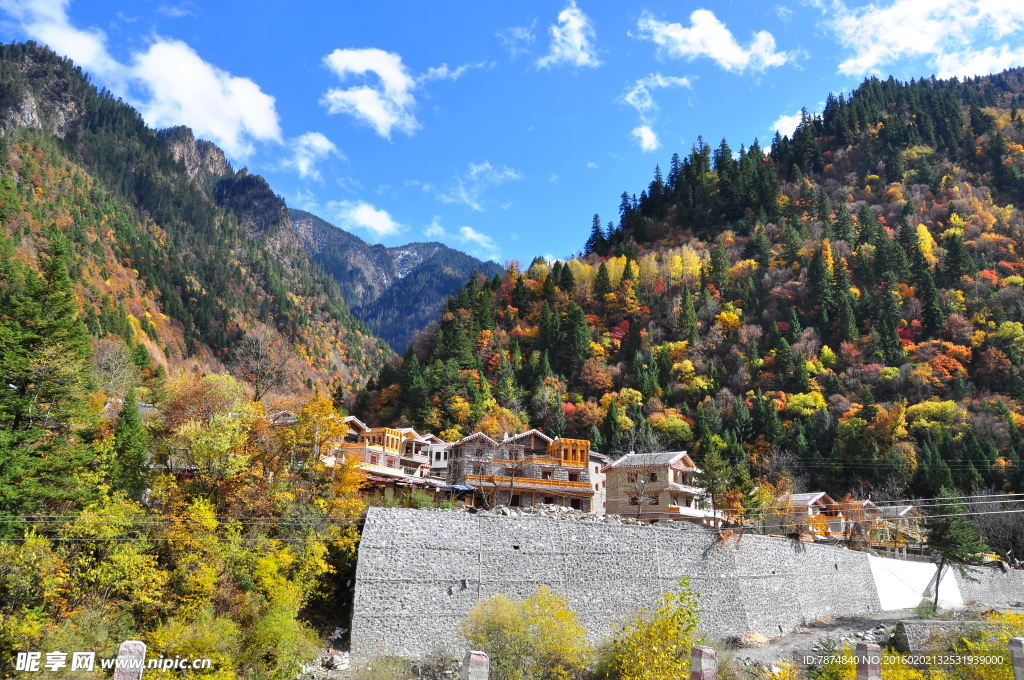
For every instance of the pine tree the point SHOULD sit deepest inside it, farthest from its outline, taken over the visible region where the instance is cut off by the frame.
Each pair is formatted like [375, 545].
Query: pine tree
[687, 318]
[844, 223]
[597, 243]
[603, 283]
[43, 348]
[951, 535]
[957, 261]
[130, 438]
[566, 280]
[576, 342]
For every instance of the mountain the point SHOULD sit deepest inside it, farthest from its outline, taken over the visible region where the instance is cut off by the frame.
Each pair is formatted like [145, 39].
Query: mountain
[841, 312]
[171, 249]
[394, 291]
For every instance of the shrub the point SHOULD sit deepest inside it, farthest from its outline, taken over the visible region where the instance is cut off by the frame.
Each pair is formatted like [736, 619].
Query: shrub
[539, 638]
[657, 644]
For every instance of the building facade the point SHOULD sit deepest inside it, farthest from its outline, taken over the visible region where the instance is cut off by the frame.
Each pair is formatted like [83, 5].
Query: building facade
[523, 470]
[655, 487]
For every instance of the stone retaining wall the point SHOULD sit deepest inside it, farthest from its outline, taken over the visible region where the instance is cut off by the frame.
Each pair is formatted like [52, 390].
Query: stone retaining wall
[420, 572]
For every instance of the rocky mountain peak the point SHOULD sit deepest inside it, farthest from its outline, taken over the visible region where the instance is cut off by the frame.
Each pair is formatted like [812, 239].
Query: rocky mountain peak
[199, 156]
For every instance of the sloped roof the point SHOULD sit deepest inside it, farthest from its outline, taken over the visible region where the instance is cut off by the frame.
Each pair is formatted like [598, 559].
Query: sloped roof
[807, 499]
[352, 420]
[529, 432]
[897, 510]
[477, 435]
[661, 459]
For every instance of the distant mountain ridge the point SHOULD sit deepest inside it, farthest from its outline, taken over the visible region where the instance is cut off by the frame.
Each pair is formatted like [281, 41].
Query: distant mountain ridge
[394, 291]
[170, 248]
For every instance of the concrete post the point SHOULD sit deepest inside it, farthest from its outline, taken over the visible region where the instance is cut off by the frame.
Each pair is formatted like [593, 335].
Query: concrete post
[869, 661]
[1017, 657]
[703, 663]
[131, 657]
[475, 666]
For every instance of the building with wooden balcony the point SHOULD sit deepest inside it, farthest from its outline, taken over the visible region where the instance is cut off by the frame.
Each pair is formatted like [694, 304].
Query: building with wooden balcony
[655, 487]
[523, 470]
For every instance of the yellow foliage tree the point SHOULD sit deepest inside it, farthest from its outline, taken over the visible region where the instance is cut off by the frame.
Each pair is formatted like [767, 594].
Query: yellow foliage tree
[539, 638]
[657, 644]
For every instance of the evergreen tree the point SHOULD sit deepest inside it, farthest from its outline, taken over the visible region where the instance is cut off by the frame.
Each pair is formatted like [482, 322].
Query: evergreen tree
[597, 243]
[687, 318]
[130, 438]
[43, 348]
[957, 261]
[603, 283]
[576, 342]
[566, 280]
[951, 535]
[844, 223]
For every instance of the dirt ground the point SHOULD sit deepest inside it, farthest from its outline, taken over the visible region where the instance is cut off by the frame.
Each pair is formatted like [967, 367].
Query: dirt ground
[876, 627]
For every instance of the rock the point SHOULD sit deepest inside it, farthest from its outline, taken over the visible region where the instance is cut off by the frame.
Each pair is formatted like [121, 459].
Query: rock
[753, 639]
[338, 662]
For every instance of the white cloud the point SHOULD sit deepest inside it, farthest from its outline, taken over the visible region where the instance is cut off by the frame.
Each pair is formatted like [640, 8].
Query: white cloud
[571, 40]
[592, 165]
[442, 72]
[177, 86]
[434, 229]
[307, 151]
[553, 178]
[639, 96]
[47, 22]
[943, 32]
[306, 199]
[708, 37]
[646, 138]
[385, 105]
[518, 39]
[176, 11]
[481, 245]
[352, 215]
[784, 13]
[979, 62]
[468, 188]
[216, 105]
[476, 243]
[786, 125]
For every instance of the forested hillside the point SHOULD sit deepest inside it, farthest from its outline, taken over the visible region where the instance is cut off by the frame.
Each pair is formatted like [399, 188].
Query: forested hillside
[169, 248]
[136, 266]
[394, 291]
[842, 312]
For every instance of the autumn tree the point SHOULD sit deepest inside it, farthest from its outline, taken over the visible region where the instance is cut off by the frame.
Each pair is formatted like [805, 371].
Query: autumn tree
[657, 644]
[539, 638]
[261, 358]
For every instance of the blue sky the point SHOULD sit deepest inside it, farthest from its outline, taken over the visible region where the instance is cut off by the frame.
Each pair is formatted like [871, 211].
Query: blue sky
[498, 128]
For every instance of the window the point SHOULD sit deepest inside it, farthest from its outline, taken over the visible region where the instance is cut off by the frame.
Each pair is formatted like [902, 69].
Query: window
[549, 500]
[631, 477]
[374, 458]
[575, 504]
[653, 500]
[574, 476]
[653, 477]
[514, 503]
[545, 474]
[634, 500]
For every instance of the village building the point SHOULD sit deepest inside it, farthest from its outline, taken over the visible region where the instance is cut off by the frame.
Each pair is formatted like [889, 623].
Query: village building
[598, 461]
[814, 512]
[655, 487]
[523, 470]
[392, 458]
